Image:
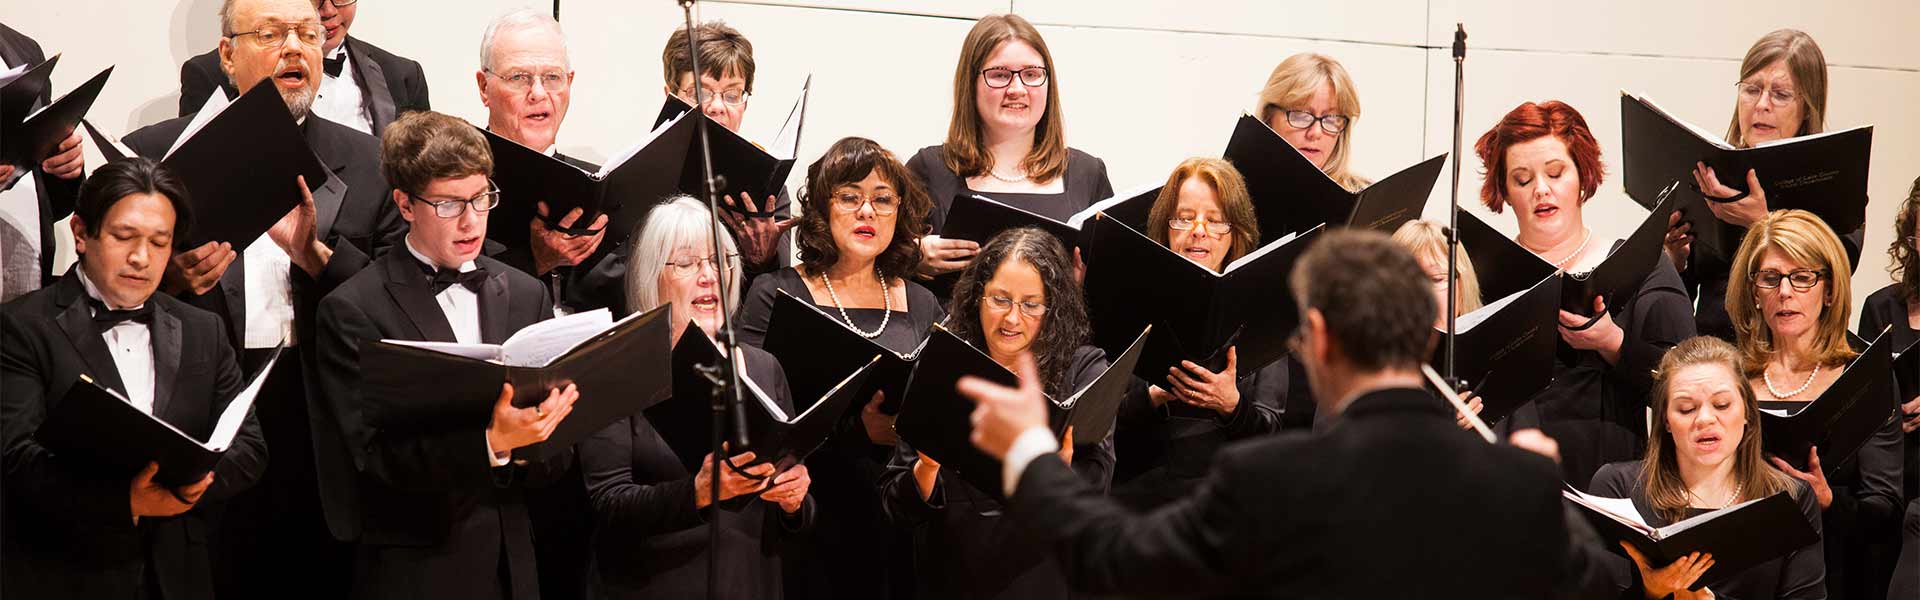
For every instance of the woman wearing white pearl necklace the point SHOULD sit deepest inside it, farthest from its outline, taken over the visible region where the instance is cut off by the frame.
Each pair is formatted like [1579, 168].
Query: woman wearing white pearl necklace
[1790, 315]
[1543, 162]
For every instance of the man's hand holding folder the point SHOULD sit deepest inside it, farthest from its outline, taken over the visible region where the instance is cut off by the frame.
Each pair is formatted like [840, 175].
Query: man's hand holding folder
[514, 427]
[148, 498]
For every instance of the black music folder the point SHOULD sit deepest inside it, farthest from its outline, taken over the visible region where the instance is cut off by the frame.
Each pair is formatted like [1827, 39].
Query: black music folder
[624, 189]
[19, 93]
[1505, 268]
[934, 418]
[1619, 278]
[1824, 173]
[816, 349]
[685, 421]
[977, 217]
[237, 199]
[1290, 195]
[743, 166]
[620, 367]
[1196, 314]
[1906, 368]
[100, 426]
[1506, 348]
[1841, 420]
[31, 139]
[1739, 537]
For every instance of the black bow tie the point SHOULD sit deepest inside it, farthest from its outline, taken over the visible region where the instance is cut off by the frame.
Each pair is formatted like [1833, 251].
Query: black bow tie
[334, 65]
[445, 278]
[105, 318]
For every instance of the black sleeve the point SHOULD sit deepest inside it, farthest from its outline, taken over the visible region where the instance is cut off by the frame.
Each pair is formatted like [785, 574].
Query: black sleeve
[81, 499]
[1655, 321]
[900, 500]
[756, 310]
[1873, 503]
[1852, 243]
[1876, 315]
[1803, 573]
[1103, 187]
[934, 177]
[623, 507]
[416, 89]
[196, 85]
[1262, 395]
[1093, 460]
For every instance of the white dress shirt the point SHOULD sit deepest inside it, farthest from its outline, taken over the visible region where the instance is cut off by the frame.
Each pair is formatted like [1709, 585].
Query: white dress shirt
[131, 345]
[340, 100]
[1033, 443]
[269, 284]
[462, 309]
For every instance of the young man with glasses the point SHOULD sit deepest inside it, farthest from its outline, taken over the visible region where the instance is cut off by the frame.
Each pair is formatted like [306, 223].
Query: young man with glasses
[436, 517]
[267, 291]
[365, 87]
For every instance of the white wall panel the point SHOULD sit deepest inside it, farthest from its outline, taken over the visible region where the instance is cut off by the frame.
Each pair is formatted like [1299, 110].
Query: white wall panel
[1398, 22]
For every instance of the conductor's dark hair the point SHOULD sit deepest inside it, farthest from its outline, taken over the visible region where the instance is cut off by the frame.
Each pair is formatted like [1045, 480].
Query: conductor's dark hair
[846, 163]
[1376, 301]
[115, 181]
[1065, 327]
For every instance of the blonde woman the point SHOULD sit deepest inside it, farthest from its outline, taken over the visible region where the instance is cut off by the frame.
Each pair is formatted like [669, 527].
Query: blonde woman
[1428, 242]
[1311, 102]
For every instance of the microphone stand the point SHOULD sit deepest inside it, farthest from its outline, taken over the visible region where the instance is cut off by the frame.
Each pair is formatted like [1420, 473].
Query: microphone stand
[725, 377]
[1453, 210]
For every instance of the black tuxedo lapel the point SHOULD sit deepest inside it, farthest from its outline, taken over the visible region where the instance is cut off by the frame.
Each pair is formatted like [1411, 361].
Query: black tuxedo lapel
[328, 199]
[414, 295]
[372, 79]
[494, 327]
[233, 292]
[77, 321]
[166, 336]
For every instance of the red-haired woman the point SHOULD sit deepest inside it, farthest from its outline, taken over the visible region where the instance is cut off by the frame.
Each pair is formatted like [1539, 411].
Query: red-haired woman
[1542, 161]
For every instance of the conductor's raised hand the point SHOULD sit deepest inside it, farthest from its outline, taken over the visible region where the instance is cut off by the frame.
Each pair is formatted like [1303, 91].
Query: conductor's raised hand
[147, 498]
[732, 484]
[196, 271]
[1002, 413]
[940, 255]
[514, 427]
[1672, 578]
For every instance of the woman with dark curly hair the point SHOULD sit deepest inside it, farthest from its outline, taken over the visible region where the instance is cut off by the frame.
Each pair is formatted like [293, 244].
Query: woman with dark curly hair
[858, 252]
[1898, 306]
[1018, 296]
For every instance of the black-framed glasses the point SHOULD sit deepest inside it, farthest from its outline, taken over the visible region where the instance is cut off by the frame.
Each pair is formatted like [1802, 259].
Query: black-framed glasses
[1775, 95]
[1027, 307]
[337, 3]
[1213, 228]
[1000, 77]
[452, 207]
[688, 266]
[702, 96]
[883, 205]
[275, 36]
[1332, 124]
[1801, 279]
[521, 81]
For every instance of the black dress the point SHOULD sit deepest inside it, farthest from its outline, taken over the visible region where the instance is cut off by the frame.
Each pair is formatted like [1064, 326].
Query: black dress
[853, 552]
[650, 542]
[1885, 308]
[1164, 451]
[1084, 183]
[963, 546]
[1796, 575]
[1595, 410]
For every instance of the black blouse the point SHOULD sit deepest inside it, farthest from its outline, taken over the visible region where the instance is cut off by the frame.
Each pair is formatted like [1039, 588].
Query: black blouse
[1084, 183]
[1595, 410]
[1163, 452]
[650, 541]
[1797, 575]
[1885, 308]
[962, 545]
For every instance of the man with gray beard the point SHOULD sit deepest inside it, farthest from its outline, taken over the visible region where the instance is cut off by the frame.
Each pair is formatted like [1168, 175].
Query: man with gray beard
[268, 291]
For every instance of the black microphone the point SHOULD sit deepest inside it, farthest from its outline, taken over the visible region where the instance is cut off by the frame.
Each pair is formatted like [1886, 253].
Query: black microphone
[1459, 41]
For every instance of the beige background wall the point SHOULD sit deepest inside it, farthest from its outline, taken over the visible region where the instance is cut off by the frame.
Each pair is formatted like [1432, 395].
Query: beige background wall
[1144, 82]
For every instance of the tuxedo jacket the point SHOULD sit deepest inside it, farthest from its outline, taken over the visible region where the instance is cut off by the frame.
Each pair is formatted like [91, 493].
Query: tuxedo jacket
[432, 515]
[1390, 500]
[389, 84]
[69, 529]
[57, 195]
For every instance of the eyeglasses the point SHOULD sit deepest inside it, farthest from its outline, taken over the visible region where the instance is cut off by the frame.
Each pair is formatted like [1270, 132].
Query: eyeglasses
[1213, 228]
[338, 3]
[521, 81]
[1004, 304]
[450, 208]
[1000, 77]
[883, 205]
[1802, 279]
[1332, 124]
[275, 36]
[687, 266]
[702, 96]
[1776, 96]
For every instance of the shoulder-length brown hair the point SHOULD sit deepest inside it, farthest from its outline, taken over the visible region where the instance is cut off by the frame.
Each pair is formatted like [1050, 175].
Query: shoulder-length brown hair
[1227, 185]
[847, 162]
[966, 153]
[1808, 241]
[1805, 64]
[1529, 122]
[1297, 79]
[1660, 470]
[1903, 263]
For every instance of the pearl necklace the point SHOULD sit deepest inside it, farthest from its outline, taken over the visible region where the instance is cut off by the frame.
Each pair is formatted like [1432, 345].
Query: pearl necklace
[886, 300]
[1768, 378]
[996, 175]
[1562, 263]
[1730, 499]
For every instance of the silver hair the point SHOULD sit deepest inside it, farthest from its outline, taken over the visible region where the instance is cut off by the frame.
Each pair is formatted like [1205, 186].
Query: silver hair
[526, 17]
[677, 221]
